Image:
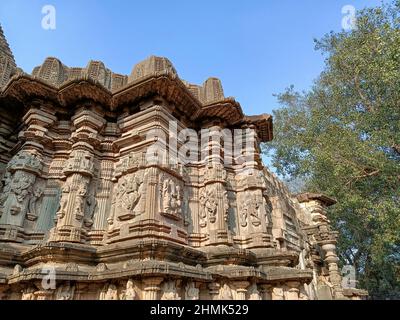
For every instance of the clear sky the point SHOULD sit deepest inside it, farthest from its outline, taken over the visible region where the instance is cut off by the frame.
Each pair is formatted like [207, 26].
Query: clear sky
[257, 48]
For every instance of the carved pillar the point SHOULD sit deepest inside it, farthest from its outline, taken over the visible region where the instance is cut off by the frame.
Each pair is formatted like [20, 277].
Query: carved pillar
[78, 194]
[151, 194]
[241, 289]
[334, 274]
[277, 293]
[293, 290]
[22, 192]
[151, 287]
[253, 219]
[211, 146]
[214, 290]
[266, 291]
[214, 205]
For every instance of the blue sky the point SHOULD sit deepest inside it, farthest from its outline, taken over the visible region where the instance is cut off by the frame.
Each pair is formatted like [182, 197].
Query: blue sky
[257, 48]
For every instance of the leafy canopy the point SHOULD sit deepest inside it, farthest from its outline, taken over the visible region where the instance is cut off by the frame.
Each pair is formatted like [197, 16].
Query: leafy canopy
[342, 138]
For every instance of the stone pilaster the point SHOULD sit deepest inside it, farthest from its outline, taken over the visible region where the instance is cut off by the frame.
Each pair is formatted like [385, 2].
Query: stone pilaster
[214, 290]
[241, 289]
[278, 293]
[266, 290]
[151, 287]
[292, 291]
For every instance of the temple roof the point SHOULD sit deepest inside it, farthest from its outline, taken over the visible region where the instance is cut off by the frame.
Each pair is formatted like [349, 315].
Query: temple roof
[153, 76]
[7, 62]
[4, 47]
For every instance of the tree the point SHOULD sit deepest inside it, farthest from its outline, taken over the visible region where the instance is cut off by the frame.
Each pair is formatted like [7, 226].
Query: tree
[342, 138]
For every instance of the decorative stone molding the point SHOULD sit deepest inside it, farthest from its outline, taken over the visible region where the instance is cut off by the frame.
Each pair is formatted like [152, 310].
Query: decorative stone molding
[91, 184]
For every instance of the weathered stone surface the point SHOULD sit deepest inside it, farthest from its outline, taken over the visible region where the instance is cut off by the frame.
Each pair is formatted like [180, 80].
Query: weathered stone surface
[85, 200]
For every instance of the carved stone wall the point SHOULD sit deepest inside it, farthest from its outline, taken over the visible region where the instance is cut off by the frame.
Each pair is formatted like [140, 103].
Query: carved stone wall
[94, 195]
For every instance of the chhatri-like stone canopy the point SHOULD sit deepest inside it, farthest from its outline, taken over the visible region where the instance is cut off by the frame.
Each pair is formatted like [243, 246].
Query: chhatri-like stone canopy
[81, 200]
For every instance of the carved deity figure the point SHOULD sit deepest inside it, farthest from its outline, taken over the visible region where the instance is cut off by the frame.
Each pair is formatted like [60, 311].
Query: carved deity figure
[32, 210]
[130, 292]
[109, 292]
[254, 294]
[268, 210]
[209, 205]
[80, 201]
[6, 188]
[65, 190]
[16, 195]
[169, 291]
[91, 205]
[250, 211]
[65, 292]
[225, 293]
[172, 197]
[126, 197]
[21, 186]
[191, 292]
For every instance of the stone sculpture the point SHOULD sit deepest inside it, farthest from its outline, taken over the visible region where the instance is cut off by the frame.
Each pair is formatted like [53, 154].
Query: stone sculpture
[82, 194]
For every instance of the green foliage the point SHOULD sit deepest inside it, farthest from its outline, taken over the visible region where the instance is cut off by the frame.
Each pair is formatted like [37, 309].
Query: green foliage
[342, 138]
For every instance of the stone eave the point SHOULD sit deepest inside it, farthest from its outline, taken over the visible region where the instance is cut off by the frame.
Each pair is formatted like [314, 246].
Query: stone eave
[152, 268]
[274, 257]
[263, 125]
[82, 89]
[164, 84]
[24, 88]
[59, 252]
[287, 274]
[308, 196]
[235, 272]
[150, 249]
[228, 109]
[228, 255]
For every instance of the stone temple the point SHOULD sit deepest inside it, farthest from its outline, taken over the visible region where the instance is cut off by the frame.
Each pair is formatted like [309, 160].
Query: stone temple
[84, 213]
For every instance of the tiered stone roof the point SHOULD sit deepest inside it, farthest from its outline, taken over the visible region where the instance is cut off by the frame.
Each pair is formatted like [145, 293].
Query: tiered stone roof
[7, 62]
[154, 76]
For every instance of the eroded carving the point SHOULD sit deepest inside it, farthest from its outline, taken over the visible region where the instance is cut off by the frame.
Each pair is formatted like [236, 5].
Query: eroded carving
[126, 197]
[191, 292]
[65, 292]
[170, 291]
[130, 292]
[249, 211]
[109, 292]
[172, 199]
